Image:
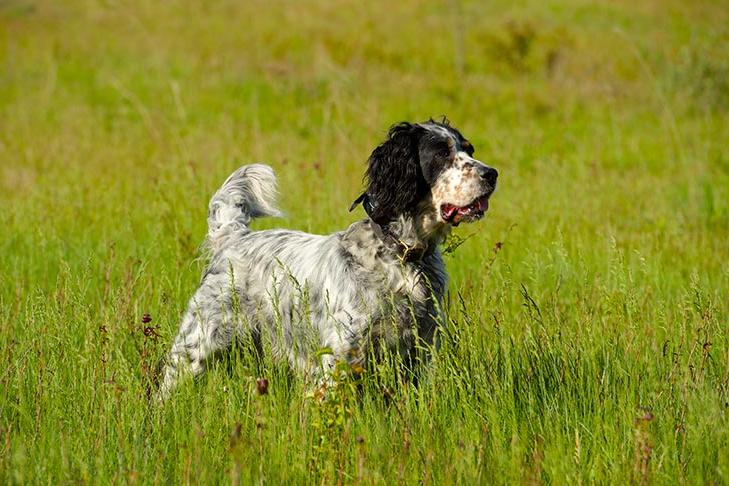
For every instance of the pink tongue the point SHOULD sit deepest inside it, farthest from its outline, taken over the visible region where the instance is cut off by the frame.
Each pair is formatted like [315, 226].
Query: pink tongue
[454, 212]
[449, 210]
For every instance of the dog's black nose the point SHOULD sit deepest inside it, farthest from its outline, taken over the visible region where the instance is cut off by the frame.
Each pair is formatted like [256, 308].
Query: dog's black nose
[489, 174]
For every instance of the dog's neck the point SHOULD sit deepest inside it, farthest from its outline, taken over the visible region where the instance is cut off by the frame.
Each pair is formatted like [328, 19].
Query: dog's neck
[414, 235]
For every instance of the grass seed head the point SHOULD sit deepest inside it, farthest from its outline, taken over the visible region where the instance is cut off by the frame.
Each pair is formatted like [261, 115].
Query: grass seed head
[262, 386]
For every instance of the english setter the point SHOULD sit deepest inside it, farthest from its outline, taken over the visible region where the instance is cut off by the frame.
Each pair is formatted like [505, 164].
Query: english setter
[378, 285]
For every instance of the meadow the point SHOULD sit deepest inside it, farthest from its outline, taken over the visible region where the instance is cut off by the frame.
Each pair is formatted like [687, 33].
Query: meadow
[588, 314]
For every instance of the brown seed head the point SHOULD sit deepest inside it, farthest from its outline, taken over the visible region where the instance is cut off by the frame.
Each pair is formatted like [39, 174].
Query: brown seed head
[149, 331]
[262, 386]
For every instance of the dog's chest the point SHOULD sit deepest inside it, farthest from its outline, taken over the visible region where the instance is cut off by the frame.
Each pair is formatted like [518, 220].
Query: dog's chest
[405, 295]
[383, 268]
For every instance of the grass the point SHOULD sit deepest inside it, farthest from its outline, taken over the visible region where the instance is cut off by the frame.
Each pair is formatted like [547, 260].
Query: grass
[587, 340]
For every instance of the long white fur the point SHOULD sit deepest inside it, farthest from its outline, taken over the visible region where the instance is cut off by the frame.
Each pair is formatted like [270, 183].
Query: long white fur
[295, 293]
[358, 292]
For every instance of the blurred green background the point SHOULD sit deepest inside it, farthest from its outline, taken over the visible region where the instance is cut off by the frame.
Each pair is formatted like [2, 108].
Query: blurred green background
[599, 276]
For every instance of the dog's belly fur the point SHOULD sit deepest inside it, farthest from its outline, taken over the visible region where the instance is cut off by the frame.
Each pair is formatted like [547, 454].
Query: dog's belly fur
[296, 293]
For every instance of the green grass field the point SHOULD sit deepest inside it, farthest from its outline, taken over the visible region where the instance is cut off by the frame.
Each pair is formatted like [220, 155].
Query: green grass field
[588, 334]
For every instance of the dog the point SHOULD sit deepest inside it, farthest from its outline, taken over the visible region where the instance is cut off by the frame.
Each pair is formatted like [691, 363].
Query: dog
[376, 286]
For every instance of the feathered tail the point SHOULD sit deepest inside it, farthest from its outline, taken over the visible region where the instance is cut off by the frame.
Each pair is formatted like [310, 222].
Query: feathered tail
[248, 193]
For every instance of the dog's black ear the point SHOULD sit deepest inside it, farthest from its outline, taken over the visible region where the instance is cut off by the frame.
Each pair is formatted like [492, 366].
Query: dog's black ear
[394, 179]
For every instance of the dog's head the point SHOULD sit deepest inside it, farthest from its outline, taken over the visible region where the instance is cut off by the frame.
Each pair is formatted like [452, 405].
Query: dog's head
[427, 167]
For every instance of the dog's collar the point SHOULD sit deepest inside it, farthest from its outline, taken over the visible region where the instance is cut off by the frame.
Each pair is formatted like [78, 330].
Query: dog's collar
[367, 204]
[405, 252]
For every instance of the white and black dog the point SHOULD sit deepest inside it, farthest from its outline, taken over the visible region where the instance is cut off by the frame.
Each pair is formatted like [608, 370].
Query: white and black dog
[378, 285]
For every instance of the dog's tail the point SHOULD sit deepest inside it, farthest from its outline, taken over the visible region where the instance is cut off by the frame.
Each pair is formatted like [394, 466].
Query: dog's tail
[248, 193]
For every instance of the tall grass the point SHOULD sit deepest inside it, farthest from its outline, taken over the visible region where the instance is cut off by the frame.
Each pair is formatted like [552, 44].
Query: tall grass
[587, 332]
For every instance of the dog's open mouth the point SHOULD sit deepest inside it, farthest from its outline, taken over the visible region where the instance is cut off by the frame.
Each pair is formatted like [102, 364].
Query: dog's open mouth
[455, 214]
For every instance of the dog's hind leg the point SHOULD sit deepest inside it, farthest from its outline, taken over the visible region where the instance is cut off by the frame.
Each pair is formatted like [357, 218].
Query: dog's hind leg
[207, 328]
